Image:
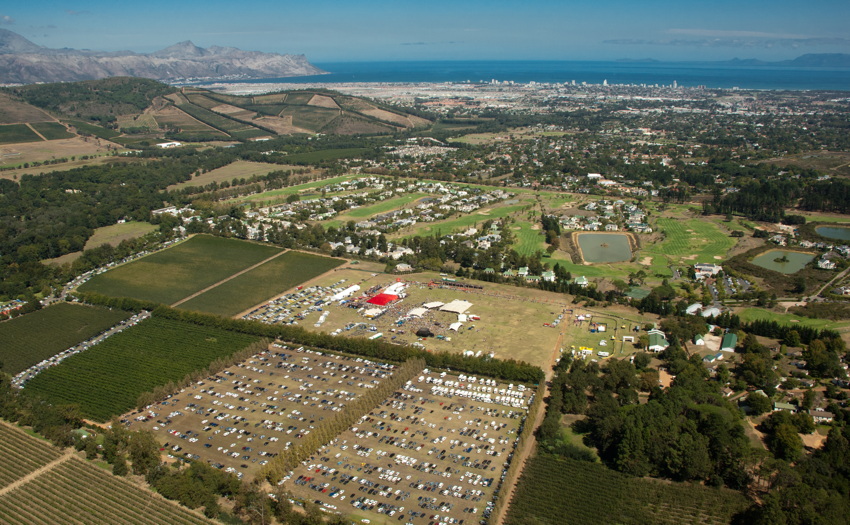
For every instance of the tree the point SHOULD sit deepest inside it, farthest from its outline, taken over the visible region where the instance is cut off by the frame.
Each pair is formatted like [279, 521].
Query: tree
[785, 442]
[759, 404]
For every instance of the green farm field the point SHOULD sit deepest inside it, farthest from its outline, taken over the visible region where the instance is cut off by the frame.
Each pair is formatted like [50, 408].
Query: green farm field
[262, 283]
[593, 494]
[29, 339]
[17, 133]
[113, 235]
[107, 379]
[74, 491]
[178, 272]
[52, 130]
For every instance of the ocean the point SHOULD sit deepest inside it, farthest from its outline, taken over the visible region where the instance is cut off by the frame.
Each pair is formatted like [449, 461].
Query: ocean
[686, 74]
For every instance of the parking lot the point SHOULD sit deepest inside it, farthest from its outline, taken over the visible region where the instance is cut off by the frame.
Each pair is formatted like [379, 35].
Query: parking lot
[434, 452]
[247, 414]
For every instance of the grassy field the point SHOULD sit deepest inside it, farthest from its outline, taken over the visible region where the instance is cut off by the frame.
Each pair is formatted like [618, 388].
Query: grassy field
[261, 283]
[753, 314]
[113, 235]
[384, 206]
[281, 194]
[692, 240]
[52, 130]
[528, 240]
[310, 117]
[17, 133]
[462, 222]
[236, 170]
[106, 379]
[29, 339]
[184, 269]
[592, 494]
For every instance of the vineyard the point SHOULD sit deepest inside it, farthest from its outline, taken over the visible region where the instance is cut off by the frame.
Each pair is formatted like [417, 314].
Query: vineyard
[29, 339]
[179, 271]
[261, 283]
[589, 493]
[106, 380]
[20, 455]
[79, 492]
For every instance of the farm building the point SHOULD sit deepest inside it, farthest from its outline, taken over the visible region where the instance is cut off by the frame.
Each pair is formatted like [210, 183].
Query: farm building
[729, 342]
[657, 341]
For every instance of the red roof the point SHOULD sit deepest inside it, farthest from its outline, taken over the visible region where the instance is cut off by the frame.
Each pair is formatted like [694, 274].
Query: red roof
[382, 299]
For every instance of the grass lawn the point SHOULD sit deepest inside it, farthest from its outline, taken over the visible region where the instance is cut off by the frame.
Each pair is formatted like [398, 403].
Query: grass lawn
[384, 206]
[261, 283]
[281, 194]
[29, 339]
[691, 240]
[116, 233]
[528, 240]
[753, 314]
[179, 271]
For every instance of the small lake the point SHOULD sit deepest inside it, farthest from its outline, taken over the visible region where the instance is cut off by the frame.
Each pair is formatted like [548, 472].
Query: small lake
[796, 261]
[834, 232]
[604, 247]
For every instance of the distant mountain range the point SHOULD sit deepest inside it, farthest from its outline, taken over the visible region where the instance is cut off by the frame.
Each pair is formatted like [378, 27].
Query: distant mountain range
[808, 60]
[23, 62]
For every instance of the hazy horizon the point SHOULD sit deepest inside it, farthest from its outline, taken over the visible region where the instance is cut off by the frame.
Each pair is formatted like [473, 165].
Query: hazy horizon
[381, 30]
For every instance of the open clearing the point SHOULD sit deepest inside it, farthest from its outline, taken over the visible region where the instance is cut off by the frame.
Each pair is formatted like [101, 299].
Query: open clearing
[275, 196]
[271, 278]
[511, 323]
[113, 235]
[236, 170]
[18, 154]
[241, 418]
[179, 271]
[426, 450]
[29, 339]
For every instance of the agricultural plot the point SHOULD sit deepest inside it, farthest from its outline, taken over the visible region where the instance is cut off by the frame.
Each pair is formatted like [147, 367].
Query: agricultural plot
[14, 111]
[17, 133]
[247, 414]
[592, 494]
[309, 117]
[52, 130]
[434, 450]
[76, 491]
[172, 117]
[177, 272]
[21, 454]
[113, 235]
[29, 339]
[261, 283]
[107, 379]
[91, 129]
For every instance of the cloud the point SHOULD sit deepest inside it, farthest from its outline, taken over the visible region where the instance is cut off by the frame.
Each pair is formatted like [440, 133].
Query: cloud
[6, 20]
[72, 12]
[743, 41]
[734, 34]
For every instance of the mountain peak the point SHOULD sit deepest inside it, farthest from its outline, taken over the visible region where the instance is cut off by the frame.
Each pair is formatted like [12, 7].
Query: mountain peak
[11, 42]
[185, 49]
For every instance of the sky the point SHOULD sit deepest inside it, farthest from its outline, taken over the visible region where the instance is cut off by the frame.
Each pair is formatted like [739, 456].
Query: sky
[377, 30]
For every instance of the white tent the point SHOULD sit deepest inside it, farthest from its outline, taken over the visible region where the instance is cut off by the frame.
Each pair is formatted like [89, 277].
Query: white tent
[456, 307]
[417, 312]
[435, 304]
[455, 326]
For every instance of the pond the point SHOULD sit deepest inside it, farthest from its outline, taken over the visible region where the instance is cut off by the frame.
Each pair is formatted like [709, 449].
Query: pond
[834, 232]
[795, 262]
[604, 247]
